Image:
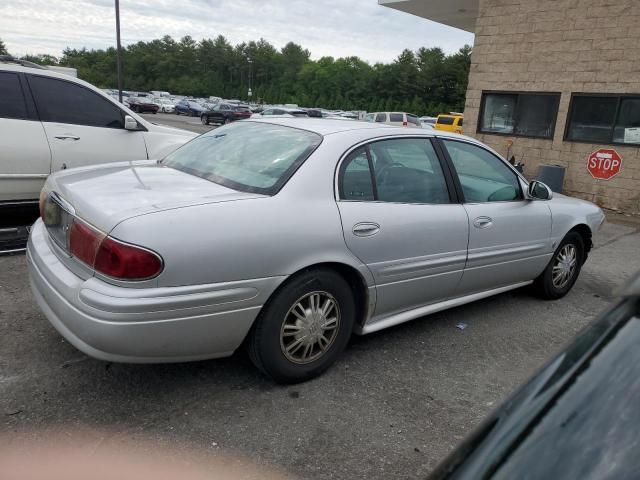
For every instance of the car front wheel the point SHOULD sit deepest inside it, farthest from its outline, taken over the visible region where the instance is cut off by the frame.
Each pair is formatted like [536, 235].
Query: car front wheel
[304, 327]
[563, 269]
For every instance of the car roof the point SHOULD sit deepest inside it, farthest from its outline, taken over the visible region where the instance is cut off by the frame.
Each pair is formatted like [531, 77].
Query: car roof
[328, 126]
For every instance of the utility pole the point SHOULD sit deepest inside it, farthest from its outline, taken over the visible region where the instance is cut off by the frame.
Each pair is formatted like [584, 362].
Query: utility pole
[118, 51]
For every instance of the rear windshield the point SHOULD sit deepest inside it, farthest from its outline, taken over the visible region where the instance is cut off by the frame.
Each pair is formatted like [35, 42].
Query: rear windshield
[445, 120]
[246, 156]
[413, 119]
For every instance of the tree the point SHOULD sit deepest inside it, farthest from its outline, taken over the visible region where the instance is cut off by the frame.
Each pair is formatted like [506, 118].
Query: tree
[423, 82]
[3, 48]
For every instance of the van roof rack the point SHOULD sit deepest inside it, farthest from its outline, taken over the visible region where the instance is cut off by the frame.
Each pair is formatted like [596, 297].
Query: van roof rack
[24, 63]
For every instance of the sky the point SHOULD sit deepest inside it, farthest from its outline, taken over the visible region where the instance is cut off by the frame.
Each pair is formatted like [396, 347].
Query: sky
[335, 28]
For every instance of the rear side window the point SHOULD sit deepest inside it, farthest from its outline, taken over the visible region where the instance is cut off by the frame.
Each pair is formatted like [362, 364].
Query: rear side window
[445, 120]
[12, 104]
[246, 156]
[356, 182]
[396, 117]
[66, 102]
[381, 117]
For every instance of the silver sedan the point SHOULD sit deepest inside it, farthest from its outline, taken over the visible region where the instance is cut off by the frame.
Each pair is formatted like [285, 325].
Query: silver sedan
[289, 235]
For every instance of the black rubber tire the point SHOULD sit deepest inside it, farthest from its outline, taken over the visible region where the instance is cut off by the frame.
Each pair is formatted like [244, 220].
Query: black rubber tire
[227, 120]
[263, 342]
[543, 285]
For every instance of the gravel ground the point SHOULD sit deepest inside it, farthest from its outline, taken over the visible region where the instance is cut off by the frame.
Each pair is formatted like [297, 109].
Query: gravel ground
[395, 404]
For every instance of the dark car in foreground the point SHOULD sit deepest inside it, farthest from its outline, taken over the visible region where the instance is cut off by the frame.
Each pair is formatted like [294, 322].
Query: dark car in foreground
[143, 105]
[224, 113]
[578, 418]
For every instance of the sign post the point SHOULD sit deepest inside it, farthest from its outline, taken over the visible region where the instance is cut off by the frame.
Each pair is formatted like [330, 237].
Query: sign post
[604, 164]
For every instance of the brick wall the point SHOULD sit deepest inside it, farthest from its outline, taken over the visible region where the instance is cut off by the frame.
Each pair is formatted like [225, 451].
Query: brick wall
[560, 46]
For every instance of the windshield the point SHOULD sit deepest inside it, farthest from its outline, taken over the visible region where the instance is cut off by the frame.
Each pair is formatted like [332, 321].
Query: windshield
[247, 156]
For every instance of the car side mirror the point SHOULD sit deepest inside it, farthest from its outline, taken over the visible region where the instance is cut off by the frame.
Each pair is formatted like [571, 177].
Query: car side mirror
[539, 191]
[130, 123]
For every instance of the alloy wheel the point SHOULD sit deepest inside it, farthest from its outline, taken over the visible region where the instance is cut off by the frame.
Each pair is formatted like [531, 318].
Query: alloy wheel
[564, 266]
[310, 327]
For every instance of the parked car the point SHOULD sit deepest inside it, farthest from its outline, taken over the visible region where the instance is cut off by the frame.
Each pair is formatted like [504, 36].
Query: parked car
[428, 122]
[278, 234]
[143, 105]
[576, 418]
[285, 112]
[450, 123]
[399, 119]
[165, 105]
[224, 113]
[189, 107]
[51, 121]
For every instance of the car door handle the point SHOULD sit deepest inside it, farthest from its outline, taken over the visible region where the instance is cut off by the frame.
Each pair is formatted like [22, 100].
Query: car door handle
[483, 222]
[67, 136]
[365, 229]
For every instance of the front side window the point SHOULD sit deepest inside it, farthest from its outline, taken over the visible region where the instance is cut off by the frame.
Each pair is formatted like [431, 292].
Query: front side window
[604, 119]
[483, 176]
[66, 102]
[246, 156]
[12, 103]
[519, 114]
[400, 171]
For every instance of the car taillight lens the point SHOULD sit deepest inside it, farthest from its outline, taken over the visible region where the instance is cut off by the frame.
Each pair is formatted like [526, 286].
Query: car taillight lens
[126, 262]
[404, 124]
[111, 257]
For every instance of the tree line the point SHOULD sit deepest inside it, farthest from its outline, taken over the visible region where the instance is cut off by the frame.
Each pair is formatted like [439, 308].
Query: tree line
[426, 82]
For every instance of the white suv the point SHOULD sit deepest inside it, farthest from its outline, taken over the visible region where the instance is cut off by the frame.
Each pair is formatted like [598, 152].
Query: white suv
[51, 121]
[399, 119]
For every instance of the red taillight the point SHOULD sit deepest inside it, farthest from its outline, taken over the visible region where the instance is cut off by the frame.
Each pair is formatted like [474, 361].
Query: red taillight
[126, 262]
[84, 242]
[404, 124]
[110, 257]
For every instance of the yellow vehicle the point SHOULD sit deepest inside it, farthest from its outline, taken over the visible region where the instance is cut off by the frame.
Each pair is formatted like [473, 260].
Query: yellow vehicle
[451, 122]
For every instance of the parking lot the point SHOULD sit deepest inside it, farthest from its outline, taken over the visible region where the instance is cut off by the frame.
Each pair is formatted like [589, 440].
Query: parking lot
[392, 407]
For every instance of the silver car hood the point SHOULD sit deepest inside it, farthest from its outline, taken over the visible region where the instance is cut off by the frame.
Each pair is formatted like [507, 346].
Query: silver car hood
[107, 195]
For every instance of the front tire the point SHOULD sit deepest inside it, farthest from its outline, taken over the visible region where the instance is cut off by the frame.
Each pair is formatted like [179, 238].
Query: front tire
[563, 269]
[304, 327]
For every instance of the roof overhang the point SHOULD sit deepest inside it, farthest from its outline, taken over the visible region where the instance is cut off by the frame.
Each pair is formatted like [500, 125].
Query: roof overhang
[460, 14]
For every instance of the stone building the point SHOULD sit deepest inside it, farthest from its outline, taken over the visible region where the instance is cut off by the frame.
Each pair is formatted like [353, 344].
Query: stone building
[555, 82]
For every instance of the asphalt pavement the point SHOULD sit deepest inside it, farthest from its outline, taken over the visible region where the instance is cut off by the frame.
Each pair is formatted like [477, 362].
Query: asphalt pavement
[393, 406]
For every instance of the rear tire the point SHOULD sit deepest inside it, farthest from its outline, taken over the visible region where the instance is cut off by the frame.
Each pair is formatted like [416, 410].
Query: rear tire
[563, 269]
[304, 327]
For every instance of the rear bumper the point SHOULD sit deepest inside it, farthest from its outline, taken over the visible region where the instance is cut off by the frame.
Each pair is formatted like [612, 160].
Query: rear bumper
[142, 325]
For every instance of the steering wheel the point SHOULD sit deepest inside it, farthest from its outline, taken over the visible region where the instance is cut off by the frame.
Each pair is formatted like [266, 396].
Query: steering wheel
[384, 170]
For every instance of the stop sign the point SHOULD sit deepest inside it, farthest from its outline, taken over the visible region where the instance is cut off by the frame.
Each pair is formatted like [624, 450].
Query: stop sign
[604, 163]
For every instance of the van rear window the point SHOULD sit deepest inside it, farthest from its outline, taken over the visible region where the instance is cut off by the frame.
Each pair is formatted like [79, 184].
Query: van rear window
[445, 120]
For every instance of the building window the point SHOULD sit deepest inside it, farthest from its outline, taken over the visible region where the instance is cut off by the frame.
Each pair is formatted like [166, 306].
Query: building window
[519, 114]
[604, 119]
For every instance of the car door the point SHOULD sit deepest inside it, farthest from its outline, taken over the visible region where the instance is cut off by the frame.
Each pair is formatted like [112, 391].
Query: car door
[400, 218]
[25, 159]
[509, 236]
[83, 127]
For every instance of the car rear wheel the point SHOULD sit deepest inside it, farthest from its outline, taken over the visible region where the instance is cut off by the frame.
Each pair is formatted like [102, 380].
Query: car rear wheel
[563, 269]
[304, 327]
[204, 119]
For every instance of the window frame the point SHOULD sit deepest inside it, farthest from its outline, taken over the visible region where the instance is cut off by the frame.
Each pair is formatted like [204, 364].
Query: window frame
[456, 178]
[99, 94]
[518, 93]
[619, 96]
[443, 162]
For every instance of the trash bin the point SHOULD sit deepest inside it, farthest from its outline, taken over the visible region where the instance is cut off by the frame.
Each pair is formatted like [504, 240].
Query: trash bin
[552, 176]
